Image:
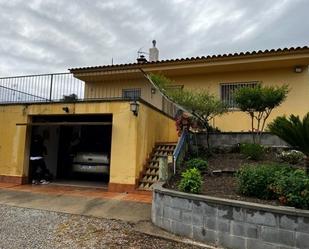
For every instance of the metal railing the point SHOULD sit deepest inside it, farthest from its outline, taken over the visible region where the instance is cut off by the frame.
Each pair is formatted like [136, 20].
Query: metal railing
[180, 150]
[40, 88]
[66, 87]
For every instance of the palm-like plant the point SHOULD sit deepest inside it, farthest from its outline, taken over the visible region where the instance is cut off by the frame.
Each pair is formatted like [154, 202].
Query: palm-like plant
[294, 131]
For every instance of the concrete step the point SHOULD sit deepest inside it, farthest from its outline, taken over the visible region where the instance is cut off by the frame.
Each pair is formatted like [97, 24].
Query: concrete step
[151, 174]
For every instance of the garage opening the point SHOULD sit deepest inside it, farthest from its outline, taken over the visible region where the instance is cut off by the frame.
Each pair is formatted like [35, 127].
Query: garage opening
[78, 149]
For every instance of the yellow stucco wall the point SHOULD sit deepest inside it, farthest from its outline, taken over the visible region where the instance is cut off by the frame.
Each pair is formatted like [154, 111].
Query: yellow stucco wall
[113, 89]
[152, 127]
[12, 140]
[296, 103]
[132, 137]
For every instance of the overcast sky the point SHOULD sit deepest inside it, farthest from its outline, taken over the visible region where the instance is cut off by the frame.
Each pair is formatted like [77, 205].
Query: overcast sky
[45, 36]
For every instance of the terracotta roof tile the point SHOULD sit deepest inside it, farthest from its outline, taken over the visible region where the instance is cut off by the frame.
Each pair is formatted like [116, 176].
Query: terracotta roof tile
[193, 59]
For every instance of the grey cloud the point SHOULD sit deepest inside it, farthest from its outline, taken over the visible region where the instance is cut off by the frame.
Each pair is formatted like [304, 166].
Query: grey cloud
[50, 36]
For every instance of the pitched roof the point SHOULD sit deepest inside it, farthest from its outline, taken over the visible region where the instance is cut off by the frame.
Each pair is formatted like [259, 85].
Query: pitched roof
[195, 59]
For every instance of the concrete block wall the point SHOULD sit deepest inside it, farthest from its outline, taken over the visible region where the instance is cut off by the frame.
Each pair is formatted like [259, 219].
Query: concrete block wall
[229, 223]
[229, 139]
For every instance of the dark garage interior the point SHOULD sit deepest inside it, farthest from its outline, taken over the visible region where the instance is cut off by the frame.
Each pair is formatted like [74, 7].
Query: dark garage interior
[78, 148]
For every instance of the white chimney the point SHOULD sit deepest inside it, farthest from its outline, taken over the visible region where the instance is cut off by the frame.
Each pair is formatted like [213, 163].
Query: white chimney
[153, 52]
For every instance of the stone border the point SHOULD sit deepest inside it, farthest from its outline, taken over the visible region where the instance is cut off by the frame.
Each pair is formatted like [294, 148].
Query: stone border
[230, 223]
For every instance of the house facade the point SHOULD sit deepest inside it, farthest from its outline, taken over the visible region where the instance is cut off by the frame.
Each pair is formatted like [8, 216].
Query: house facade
[115, 110]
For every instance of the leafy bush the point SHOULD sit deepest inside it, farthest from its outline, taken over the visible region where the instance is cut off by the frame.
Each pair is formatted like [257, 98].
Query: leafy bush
[292, 188]
[252, 151]
[191, 181]
[292, 156]
[256, 180]
[198, 163]
[258, 102]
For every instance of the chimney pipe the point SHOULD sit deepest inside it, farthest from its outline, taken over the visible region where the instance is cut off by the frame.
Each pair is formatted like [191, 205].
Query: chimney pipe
[153, 52]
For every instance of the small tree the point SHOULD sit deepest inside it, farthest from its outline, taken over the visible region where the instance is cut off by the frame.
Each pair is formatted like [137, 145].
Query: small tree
[201, 104]
[294, 131]
[259, 102]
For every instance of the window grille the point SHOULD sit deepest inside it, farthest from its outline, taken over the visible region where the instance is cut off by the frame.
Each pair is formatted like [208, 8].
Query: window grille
[133, 93]
[228, 89]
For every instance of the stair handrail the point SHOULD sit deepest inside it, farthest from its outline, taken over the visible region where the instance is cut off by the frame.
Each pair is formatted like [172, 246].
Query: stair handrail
[180, 147]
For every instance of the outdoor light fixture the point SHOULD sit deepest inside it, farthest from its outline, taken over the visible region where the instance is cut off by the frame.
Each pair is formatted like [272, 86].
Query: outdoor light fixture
[298, 69]
[153, 90]
[134, 106]
[66, 109]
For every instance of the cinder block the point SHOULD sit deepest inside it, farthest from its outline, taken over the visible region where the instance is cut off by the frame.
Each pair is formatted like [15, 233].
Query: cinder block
[280, 236]
[251, 231]
[238, 214]
[238, 228]
[171, 213]
[211, 236]
[186, 217]
[229, 241]
[197, 220]
[258, 244]
[181, 229]
[211, 223]
[224, 225]
[302, 240]
[167, 200]
[197, 208]
[158, 221]
[225, 212]
[287, 237]
[288, 222]
[303, 225]
[198, 233]
[166, 224]
[261, 217]
[209, 210]
[181, 203]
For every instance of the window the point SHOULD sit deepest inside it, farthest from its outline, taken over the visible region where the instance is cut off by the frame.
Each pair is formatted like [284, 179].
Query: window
[227, 90]
[133, 93]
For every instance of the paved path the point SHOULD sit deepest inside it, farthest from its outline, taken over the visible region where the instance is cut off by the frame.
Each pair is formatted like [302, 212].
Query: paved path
[82, 201]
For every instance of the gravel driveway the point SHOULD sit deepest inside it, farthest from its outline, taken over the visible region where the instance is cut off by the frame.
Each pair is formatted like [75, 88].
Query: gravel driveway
[30, 228]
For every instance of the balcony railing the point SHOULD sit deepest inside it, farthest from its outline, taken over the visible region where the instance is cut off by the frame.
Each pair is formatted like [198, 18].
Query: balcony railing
[40, 88]
[64, 87]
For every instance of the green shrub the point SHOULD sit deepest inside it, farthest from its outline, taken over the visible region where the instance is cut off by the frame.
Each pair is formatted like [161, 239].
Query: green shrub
[191, 181]
[256, 180]
[198, 163]
[292, 188]
[292, 156]
[252, 151]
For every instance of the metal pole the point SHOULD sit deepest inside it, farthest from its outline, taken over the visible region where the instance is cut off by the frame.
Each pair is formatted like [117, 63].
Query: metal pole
[51, 87]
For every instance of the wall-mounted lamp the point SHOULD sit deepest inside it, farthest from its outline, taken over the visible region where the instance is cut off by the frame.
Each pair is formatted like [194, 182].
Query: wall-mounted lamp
[134, 106]
[66, 109]
[153, 90]
[298, 69]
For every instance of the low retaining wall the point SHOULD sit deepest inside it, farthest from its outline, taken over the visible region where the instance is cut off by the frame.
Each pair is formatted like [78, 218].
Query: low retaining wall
[229, 223]
[229, 139]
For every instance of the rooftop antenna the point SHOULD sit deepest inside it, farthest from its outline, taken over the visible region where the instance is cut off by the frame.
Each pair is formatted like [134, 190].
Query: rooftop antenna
[141, 52]
[141, 56]
[112, 61]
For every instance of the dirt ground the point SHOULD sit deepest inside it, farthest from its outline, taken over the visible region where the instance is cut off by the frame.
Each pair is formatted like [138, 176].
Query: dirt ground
[225, 185]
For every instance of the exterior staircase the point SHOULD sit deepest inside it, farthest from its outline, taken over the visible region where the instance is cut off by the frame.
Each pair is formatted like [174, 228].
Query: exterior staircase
[150, 174]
